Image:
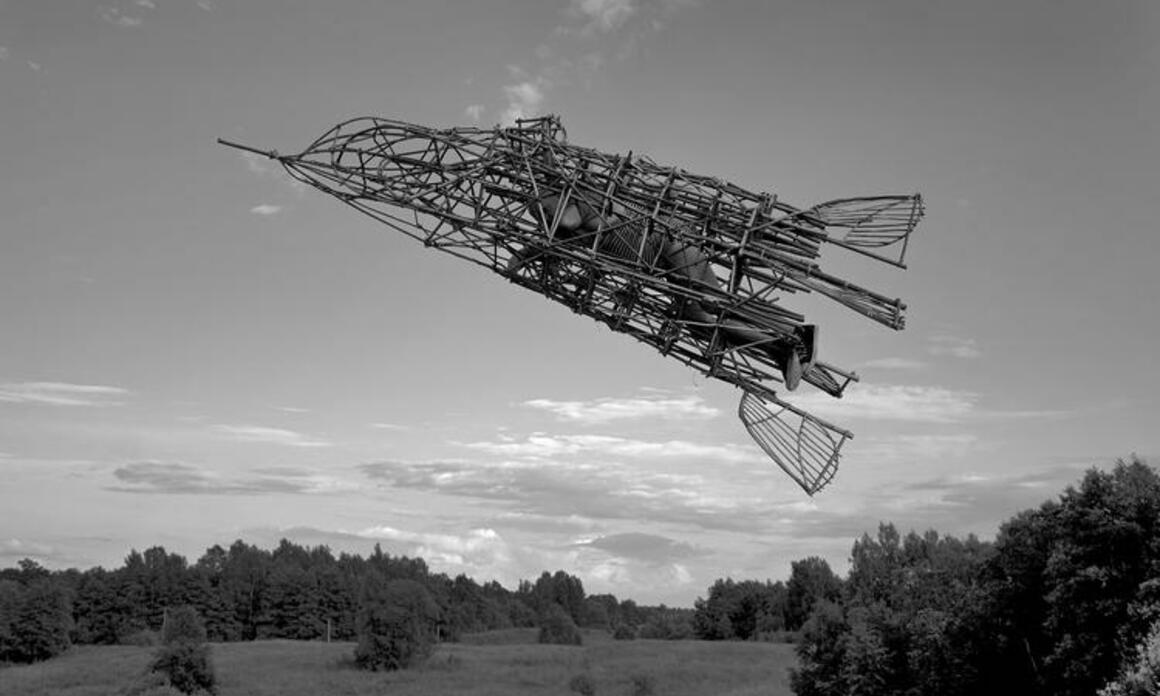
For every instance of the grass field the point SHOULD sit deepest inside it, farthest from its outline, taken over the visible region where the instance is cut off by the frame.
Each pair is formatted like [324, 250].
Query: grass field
[505, 663]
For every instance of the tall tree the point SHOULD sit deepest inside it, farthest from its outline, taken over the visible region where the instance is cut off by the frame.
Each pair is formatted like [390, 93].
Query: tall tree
[810, 581]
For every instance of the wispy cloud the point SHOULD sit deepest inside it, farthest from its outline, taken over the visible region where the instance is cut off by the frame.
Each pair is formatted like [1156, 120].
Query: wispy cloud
[914, 404]
[481, 547]
[953, 346]
[894, 364]
[543, 445]
[612, 409]
[113, 15]
[270, 436]
[256, 163]
[523, 99]
[581, 491]
[292, 409]
[61, 394]
[389, 426]
[3, 53]
[13, 549]
[602, 15]
[266, 209]
[919, 404]
[647, 548]
[580, 46]
[263, 167]
[205, 5]
[916, 449]
[474, 112]
[184, 479]
[148, 4]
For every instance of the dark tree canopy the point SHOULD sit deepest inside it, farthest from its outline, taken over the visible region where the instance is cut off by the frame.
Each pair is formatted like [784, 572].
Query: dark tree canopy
[396, 624]
[1054, 607]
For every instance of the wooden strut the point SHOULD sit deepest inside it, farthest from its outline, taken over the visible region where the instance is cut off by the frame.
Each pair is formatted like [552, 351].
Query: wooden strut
[478, 194]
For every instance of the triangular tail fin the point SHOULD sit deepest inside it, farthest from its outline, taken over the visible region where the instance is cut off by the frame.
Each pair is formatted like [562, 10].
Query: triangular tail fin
[877, 226]
[804, 446]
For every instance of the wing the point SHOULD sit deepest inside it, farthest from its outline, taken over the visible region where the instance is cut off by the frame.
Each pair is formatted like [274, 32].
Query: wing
[806, 447]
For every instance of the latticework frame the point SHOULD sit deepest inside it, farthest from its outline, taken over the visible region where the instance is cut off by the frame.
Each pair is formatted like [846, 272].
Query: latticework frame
[479, 195]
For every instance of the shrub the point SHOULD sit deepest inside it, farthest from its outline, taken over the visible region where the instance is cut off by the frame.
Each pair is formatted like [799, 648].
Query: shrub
[643, 685]
[183, 625]
[582, 684]
[557, 627]
[624, 632]
[396, 624]
[151, 684]
[183, 658]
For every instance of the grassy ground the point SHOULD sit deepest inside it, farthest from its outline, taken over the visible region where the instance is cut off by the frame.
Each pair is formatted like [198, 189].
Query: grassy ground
[507, 663]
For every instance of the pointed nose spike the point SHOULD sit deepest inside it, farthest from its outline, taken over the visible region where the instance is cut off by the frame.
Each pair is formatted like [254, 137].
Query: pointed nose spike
[272, 154]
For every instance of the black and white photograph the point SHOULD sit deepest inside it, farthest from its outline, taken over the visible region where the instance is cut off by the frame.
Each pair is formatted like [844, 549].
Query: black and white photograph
[617, 347]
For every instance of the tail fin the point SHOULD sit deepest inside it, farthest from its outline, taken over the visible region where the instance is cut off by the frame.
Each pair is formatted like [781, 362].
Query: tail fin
[804, 446]
[878, 226]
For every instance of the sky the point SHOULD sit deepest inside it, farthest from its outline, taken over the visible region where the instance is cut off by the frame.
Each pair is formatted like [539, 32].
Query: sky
[194, 350]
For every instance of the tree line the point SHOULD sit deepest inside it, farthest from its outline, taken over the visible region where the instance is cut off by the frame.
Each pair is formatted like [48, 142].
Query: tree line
[1065, 601]
[246, 593]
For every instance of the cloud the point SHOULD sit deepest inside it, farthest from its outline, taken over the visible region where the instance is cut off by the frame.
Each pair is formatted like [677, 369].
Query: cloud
[389, 426]
[3, 53]
[263, 167]
[257, 164]
[894, 364]
[602, 15]
[34, 66]
[477, 548]
[576, 491]
[177, 478]
[953, 346]
[647, 548]
[543, 524]
[61, 394]
[148, 4]
[292, 409]
[916, 404]
[577, 49]
[910, 449]
[15, 549]
[610, 409]
[205, 5]
[524, 99]
[270, 436]
[113, 15]
[541, 445]
[266, 209]
[474, 112]
[481, 552]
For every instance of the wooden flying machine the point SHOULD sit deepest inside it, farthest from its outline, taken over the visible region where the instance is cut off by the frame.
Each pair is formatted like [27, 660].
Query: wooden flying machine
[691, 265]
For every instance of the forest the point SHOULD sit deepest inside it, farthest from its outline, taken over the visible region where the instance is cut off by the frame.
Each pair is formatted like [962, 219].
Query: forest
[1064, 601]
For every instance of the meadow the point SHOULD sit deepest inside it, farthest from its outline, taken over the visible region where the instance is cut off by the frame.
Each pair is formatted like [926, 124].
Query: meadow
[500, 663]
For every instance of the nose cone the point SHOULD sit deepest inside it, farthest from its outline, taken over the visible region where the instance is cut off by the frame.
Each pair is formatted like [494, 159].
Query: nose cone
[380, 158]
